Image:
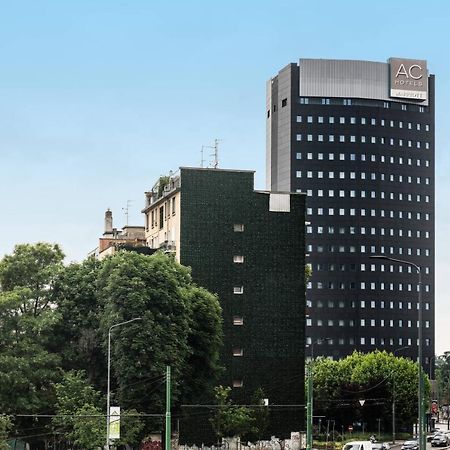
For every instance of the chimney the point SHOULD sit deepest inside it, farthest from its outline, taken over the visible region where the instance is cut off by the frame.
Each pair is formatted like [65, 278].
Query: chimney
[108, 223]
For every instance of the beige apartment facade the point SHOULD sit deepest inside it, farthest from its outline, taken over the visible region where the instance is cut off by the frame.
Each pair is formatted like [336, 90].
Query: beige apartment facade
[163, 215]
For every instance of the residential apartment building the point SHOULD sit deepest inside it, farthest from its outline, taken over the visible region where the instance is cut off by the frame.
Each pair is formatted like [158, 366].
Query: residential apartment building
[248, 247]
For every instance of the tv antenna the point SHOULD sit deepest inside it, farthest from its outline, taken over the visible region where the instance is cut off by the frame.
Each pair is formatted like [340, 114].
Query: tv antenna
[215, 154]
[126, 210]
[202, 160]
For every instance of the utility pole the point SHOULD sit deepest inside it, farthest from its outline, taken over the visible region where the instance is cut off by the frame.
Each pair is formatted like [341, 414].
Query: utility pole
[168, 442]
[309, 395]
[309, 408]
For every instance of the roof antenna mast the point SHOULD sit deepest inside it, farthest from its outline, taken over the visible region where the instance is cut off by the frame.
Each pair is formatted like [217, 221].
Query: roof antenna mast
[202, 161]
[126, 210]
[216, 153]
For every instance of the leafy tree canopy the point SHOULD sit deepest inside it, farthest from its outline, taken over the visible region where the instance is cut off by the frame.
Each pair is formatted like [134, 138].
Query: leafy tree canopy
[55, 323]
[376, 378]
[180, 327]
[28, 368]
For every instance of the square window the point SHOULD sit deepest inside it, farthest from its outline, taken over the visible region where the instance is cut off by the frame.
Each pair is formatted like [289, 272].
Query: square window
[238, 259]
[237, 383]
[237, 320]
[238, 351]
[238, 227]
[238, 290]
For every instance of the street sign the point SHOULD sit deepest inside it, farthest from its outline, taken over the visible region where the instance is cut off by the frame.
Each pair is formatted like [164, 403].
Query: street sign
[114, 422]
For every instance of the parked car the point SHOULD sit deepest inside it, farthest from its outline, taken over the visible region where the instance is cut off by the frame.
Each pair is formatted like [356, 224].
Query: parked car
[439, 440]
[432, 432]
[380, 446]
[358, 445]
[410, 445]
[431, 435]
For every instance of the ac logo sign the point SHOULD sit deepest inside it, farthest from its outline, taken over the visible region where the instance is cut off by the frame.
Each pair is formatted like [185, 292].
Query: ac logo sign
[408, 79]
[414, 71]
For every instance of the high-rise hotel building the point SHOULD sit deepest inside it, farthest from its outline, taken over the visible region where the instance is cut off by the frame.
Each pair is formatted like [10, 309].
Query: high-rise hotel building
[358, 138]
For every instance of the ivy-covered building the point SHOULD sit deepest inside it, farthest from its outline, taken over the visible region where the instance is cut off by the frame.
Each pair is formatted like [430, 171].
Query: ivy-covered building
[248, 247]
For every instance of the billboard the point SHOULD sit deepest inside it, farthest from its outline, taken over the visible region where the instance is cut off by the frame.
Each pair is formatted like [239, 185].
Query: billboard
[408, 79]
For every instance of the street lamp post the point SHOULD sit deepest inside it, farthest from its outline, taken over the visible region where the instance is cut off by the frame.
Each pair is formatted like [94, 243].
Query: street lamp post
[108, 392]
[421, 430]
[309, 404]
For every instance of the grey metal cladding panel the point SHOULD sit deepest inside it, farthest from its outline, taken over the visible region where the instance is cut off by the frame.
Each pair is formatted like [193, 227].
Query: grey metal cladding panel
[269, 135]
[346, 78]
[284, 130]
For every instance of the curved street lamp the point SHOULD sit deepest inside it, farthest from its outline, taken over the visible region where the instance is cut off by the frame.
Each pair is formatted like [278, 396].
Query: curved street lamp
[421, 430]
[108, 393]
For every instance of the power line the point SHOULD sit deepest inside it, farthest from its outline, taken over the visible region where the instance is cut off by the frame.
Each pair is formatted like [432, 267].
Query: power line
[86, 415]
[242, 406]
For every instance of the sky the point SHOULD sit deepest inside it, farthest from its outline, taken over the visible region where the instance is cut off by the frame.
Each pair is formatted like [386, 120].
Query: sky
[99, 98]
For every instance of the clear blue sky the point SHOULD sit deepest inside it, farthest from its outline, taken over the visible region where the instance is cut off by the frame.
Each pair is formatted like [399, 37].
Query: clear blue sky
[99, 98]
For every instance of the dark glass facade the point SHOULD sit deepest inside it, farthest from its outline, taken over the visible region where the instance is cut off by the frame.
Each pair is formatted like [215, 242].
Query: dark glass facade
[250, 249]
[367, 166]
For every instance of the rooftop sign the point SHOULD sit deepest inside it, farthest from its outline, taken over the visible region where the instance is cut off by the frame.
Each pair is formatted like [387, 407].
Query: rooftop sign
[408, 79]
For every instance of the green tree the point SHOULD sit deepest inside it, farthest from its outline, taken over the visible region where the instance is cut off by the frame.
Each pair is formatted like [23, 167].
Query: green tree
[81, 418]
[204, 341]
[89, 428]
[5, 427]
[131, 428]
[77, 336]
[443, 378]
[27, 314]
[374, 377]
[231, 420]
[55, 317]
[260, 413]
[308, 273]
[180, 327]
[73, 394]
